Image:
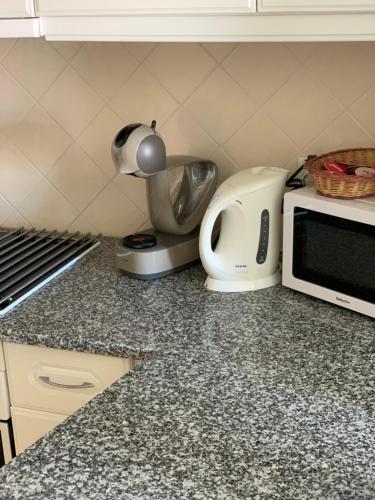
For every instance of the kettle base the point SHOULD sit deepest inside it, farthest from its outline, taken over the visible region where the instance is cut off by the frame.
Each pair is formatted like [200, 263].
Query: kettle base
[242, 285]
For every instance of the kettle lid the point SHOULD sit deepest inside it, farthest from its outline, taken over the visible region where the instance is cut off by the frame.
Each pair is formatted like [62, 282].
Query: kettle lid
[256, 178]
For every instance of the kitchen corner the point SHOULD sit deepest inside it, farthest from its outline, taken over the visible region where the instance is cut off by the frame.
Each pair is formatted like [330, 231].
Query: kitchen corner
[264, 395]
[187, 250]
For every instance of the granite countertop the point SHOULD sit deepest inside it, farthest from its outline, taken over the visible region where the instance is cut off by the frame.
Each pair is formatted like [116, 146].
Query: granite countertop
[268, 394]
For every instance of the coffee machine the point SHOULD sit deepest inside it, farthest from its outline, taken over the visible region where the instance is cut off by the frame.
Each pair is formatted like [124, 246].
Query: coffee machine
[172, 244]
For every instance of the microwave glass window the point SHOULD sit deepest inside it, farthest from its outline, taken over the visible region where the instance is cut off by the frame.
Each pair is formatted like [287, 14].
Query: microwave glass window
[334, 253]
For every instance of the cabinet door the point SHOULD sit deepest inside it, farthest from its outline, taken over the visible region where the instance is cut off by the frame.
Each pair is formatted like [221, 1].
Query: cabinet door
[316, 5]
[31, 425]
[128, 7]
[16, 8]
[4, 397]
[6, 455]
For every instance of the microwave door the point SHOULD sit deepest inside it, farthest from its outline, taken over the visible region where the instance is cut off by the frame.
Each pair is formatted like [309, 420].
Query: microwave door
[334, 253]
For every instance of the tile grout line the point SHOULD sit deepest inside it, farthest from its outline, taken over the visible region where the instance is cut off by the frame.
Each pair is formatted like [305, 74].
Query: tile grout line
[8, 50]
[299, 67]
[45, 176]
[357, 122]
[306, 146]
[13, 206]
[162, 122]
[263, 106]
[181, 102]
[357, 99]
[258, 107]
[184, 102]
[53, 187]
[105, 100]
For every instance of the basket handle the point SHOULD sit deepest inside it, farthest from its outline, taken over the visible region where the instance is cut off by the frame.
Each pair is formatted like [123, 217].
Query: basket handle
[309, 161]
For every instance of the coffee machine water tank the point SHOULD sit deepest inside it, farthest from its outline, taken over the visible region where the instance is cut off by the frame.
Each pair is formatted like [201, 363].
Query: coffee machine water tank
[246, 256]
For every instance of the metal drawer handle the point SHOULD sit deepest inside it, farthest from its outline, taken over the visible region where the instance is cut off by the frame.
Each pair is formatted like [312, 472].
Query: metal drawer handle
[84, 385]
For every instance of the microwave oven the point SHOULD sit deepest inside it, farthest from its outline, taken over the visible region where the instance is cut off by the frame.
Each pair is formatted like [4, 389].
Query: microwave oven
[329, 248]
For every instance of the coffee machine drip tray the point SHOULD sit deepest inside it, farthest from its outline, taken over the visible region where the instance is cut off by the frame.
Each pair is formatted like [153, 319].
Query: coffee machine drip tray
[167, 254]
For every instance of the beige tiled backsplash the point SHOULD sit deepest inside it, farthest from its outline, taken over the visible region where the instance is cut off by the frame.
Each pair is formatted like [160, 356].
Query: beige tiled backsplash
[241, 105]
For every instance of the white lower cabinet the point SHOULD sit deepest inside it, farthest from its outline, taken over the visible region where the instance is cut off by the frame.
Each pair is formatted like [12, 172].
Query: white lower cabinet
[2, 359]
[31, 425]
[6, 454]
[4, 397]
[46, 385]
[4, 393]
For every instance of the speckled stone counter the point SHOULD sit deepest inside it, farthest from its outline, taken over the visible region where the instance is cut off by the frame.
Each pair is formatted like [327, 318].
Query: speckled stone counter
[266, 395]
[94, 308]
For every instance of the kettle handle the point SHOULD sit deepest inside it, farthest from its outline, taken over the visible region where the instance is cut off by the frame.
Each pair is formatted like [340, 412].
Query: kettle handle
[206, 253]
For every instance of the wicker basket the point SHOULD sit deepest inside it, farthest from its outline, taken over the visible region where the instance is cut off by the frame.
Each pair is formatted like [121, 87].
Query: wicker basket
[342, 185]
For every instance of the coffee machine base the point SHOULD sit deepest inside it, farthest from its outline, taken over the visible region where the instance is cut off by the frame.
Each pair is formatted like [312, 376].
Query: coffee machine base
[152, 254]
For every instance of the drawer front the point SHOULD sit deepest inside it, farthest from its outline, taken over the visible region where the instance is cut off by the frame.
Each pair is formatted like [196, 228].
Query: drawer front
[31, 425]
[58, 381]
[4, 397]
[316, 5]
[126, 7]
[2, 359]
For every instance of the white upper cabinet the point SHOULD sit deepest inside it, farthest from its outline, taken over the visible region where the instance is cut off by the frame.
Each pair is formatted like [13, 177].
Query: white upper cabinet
[129, 7]
[16, 8]
[207, 20]
[17, 19]
[290, 6]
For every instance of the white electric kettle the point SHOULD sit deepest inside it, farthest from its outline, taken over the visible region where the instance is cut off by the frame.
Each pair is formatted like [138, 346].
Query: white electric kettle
[247, 252]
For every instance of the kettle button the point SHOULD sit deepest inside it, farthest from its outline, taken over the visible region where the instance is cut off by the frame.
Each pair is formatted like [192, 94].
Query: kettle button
[263, 237]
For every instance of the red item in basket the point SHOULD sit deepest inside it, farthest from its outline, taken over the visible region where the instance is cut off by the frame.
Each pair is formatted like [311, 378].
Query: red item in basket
[335, 167]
